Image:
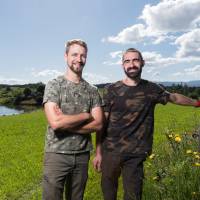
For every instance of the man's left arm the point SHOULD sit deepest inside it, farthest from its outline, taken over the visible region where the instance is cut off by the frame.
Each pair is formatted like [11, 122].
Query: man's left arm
[180, 99]
[95, 124]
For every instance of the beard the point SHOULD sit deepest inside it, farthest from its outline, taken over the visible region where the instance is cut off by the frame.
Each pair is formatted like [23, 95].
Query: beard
[133, 74]
[77, 70]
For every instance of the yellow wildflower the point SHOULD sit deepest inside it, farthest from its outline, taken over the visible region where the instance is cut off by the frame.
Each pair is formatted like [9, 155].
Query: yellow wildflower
[194, 193]
[177, 138]
[170, 136]
[195, 153]
[156, 178]
[197, 156]
[189, 151]
[197, 164]
[152, 156]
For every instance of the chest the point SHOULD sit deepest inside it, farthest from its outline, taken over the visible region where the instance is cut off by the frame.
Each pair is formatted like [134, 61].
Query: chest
[133, 100]
[74, 100]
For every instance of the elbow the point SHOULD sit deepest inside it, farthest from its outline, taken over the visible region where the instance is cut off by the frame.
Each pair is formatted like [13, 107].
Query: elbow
[99, 127]
[54, 125]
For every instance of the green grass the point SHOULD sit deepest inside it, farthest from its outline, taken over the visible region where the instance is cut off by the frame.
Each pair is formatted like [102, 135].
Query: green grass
[21, 155]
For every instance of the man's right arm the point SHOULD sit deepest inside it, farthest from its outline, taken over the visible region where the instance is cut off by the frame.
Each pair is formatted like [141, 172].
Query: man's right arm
[98, 154]
[61, 121]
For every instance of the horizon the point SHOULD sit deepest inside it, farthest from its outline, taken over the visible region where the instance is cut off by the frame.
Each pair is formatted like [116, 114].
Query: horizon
[178, 82]
[34, 35]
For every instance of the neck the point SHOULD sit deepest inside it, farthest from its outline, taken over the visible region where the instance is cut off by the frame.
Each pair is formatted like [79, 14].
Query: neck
[73, 77]
[131, 82]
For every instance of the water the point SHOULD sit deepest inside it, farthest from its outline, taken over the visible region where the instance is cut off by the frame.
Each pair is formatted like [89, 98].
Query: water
[9, 111]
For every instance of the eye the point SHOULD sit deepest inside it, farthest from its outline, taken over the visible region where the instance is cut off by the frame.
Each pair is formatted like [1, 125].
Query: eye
[136, 60]
[126, 61]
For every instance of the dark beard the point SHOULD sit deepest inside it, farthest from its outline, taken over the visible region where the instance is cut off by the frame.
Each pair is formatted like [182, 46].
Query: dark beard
[133, 75]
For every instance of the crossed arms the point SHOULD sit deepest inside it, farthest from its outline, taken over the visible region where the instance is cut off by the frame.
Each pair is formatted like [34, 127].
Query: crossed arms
[82, 123]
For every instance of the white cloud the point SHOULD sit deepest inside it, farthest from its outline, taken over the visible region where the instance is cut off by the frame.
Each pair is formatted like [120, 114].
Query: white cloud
[178, 74]
[116, 54]
[189, 44]
[95, 78]
[172, 15]
[47, 73]
[188, 73]
[133, 34]
[13, 81]
[161, 22]
[192, 70]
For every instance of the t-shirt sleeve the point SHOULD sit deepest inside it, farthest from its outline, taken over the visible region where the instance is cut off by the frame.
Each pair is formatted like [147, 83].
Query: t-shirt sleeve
[96, 99]
[107, 99]
[162, 94]
[52, 92]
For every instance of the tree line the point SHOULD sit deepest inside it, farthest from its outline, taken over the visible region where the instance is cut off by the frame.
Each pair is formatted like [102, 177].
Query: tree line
[32, 94]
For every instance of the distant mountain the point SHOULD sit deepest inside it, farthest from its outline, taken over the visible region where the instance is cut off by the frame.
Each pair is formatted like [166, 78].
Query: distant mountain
[195, 83]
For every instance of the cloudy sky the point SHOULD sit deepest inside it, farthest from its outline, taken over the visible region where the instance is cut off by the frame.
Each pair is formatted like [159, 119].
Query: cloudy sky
[34, 32]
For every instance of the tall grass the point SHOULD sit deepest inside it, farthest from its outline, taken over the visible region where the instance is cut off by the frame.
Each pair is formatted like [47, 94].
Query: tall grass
[171, 175]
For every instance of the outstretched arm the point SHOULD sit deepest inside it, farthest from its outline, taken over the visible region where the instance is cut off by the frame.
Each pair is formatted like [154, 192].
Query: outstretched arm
[58, 120]
[183, 100]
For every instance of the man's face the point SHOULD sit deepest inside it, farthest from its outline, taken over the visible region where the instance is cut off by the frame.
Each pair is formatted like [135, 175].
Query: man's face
[76, 58]
[132, 65]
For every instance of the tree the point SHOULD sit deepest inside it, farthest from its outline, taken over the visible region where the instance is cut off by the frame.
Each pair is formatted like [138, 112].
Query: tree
[27, 92]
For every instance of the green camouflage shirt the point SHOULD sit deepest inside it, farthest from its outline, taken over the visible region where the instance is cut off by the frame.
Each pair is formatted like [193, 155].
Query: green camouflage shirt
[131, 116]
[72, 98]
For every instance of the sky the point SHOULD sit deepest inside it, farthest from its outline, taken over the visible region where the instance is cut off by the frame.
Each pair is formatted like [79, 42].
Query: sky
[33, 34]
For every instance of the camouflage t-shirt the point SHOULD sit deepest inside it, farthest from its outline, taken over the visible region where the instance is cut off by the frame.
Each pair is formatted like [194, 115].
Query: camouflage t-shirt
[72, 98]
[131, 116]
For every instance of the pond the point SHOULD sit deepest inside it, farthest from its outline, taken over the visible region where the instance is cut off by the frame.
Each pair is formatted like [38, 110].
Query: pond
[9, 111]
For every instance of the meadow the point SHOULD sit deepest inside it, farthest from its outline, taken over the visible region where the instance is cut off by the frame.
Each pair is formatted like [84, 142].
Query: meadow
[172, 172]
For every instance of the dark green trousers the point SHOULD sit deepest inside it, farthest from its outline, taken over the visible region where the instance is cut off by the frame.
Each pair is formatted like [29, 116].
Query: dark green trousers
[65, 172]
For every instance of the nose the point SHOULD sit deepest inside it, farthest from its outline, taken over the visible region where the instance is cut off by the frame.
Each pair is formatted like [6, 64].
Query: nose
[79, 58]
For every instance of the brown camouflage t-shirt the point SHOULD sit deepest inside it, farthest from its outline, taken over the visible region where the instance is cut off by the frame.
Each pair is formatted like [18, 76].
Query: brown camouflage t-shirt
[72, 98]
[131, 116]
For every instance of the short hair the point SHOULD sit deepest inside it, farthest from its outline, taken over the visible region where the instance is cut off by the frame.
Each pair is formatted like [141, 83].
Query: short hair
[133, 50]
[75, 41]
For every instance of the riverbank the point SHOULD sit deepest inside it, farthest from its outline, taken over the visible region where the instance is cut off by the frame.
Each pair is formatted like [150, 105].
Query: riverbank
[15, 110]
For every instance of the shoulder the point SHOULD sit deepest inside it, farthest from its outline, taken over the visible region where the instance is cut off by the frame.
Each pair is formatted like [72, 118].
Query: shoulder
[90, 86]
[113, 86]
[56, 81]
[153, 85]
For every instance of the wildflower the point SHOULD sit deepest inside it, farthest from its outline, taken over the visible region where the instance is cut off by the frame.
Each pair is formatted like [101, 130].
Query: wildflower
[189, 151]
[195, 193]
[177, 138]
[152, 156]
[197, 164]
[170, 136]
[156, 178]
[197, 156]
[195, 153]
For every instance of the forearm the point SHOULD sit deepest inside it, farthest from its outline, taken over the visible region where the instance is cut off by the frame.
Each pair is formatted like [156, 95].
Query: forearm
[98, 142]
[86, 128]
[95, 124]
[182, 100]
[69, 121]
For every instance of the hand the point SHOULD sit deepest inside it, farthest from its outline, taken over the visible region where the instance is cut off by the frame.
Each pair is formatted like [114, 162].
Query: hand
[197, 103]
[97, 162]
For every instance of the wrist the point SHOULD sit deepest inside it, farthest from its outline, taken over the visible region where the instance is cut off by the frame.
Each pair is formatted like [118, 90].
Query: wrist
[197, 103]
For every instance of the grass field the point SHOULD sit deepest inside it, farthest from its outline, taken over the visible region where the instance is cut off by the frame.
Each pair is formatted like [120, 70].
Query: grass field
[171, 174]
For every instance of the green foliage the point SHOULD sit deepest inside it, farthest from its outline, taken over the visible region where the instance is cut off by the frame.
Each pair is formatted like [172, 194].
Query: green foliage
[29, 94]
[21, 155]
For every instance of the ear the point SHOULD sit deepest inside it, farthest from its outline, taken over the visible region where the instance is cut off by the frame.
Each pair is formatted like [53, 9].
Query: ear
[143, 63]
[65, 57]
